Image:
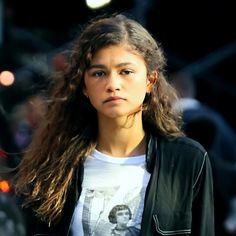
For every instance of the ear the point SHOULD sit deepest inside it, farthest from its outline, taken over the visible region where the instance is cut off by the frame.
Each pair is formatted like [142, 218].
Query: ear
[151, 80]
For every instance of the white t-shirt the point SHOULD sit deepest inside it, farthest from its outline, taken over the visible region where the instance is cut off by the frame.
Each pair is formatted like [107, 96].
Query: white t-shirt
[112, 197]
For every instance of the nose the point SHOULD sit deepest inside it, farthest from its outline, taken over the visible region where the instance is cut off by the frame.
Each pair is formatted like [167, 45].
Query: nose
[113, 83]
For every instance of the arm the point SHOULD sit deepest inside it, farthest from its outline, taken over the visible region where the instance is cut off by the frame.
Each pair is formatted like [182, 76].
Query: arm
[203, 202]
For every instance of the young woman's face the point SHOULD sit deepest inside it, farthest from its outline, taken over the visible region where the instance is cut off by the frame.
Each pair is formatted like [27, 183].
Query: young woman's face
[116, 82]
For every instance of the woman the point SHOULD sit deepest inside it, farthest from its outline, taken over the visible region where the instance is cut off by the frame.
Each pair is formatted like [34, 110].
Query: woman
[110, 137]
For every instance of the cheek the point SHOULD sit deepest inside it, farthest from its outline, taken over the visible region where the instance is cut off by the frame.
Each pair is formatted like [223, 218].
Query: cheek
[90, 89]
[140, 90]
[93, 100]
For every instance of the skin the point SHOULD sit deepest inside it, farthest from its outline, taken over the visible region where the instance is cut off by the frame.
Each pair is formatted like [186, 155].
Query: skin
[116, 84]
[122, 218]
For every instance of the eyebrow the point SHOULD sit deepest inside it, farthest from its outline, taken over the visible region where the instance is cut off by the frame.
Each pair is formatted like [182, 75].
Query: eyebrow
[101, 66]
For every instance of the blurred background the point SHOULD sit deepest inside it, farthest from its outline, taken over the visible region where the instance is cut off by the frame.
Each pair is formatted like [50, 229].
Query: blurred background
[198, 38]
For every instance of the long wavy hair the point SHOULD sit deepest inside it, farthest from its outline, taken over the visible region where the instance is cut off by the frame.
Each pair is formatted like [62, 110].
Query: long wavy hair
[68, 132]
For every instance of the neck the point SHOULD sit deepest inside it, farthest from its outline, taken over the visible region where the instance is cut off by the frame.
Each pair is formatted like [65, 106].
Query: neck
[122, 138]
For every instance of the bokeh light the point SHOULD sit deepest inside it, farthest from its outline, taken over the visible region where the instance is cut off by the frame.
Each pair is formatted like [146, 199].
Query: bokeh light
[7, 78]
[95, 4]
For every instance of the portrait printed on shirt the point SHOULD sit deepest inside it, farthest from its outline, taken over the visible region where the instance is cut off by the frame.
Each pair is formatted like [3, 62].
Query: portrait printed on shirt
[113, 211]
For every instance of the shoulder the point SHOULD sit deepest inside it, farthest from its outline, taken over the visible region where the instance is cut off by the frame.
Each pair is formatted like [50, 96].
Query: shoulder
[184, 155]
[183, 144]
[183, 150]
[179, 150]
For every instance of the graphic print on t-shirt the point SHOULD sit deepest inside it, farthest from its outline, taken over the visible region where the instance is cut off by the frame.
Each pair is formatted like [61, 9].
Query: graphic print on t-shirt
[113, 210]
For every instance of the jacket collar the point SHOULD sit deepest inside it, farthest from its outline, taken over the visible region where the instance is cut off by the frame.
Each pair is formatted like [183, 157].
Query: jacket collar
[152, 151]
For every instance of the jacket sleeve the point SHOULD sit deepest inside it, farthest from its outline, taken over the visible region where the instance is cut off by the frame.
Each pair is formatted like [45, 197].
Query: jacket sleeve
[203, 201]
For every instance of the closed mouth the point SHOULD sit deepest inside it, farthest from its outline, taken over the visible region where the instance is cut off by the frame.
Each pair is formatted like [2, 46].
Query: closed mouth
[115, 98]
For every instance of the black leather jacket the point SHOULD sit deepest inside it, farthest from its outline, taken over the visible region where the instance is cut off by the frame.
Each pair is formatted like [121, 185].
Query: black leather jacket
[179, 197]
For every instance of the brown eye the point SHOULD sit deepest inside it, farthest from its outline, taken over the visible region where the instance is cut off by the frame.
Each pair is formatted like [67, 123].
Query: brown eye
[126, 72]
[98, 73]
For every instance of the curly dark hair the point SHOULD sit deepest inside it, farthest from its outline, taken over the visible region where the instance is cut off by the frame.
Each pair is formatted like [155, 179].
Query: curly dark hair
[69, 130]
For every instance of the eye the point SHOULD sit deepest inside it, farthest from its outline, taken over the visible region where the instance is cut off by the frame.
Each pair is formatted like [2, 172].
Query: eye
[126, 72]
[98, 73]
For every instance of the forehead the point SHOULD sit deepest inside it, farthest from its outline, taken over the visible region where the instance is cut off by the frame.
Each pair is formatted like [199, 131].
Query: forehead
[117, 53]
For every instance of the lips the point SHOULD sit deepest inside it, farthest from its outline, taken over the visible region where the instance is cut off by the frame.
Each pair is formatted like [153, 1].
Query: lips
[113, 98]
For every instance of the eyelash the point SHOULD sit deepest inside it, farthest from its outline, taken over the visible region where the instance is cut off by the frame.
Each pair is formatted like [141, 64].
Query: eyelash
[98, 73]
[125, 72]
[102, 73]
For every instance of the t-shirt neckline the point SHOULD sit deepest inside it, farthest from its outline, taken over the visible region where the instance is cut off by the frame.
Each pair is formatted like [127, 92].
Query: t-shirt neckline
[118, 160]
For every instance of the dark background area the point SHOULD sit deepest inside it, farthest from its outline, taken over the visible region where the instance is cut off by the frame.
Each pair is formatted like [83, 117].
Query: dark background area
[198, 37]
